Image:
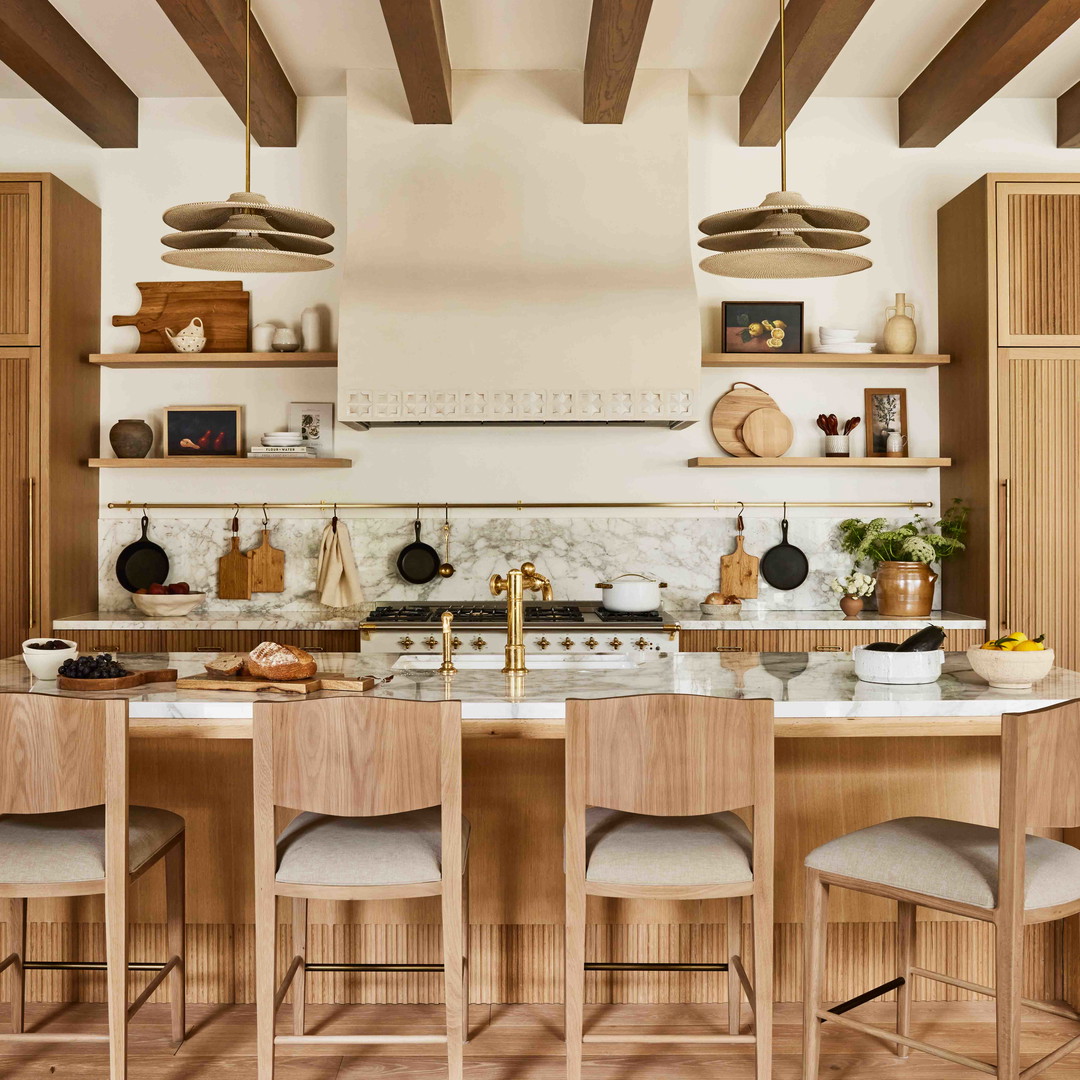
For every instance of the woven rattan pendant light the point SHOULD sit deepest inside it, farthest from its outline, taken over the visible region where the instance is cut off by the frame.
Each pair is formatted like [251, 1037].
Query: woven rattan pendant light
[784, 236]
[246, 233]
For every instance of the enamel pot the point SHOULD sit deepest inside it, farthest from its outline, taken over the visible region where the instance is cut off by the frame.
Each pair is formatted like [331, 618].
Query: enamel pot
[632, 592]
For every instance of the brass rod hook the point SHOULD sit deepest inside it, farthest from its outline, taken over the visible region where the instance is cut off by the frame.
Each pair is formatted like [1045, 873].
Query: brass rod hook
[266, 519]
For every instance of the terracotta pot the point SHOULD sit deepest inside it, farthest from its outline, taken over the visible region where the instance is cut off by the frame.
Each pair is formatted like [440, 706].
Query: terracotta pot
[131, 438]
[851, 605]
[905, 589]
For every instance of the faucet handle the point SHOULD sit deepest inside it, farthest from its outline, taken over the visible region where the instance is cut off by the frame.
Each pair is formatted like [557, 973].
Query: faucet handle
[498, 584]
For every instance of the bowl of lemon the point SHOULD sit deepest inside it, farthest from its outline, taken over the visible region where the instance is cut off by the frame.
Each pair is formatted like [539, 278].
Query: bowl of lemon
[1012, 662]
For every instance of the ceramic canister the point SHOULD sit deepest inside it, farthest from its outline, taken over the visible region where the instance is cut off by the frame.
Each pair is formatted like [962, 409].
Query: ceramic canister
[262, 337]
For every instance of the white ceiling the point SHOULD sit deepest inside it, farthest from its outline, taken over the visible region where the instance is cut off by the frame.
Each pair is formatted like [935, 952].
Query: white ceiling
[719, 41]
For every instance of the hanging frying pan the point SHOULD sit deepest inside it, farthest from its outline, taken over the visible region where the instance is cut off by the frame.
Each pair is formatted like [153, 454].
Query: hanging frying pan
[142, 563]
[784, 566]
[418, 563]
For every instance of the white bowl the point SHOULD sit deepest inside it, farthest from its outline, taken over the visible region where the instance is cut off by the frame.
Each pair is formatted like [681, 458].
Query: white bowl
[897, 668]
[45, 663]
[836, 334]
[1011, 670]
[169, 605]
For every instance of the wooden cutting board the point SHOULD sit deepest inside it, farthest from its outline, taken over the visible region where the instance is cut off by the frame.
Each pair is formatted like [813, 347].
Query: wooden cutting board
[223, 306]
[234, 573]
[267, 566]
[247, 685]
[739, 573]
[731, 411]
[767, 433]
[125, 682]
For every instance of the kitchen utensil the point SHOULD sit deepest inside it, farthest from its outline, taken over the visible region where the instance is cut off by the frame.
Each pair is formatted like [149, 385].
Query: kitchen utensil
[1010, 670]
[631, 592]
[446, 567]
[418, 563]
[731, 410]
[142, 563]
[234, 568]
[267, 564]
[739, 570]
[784, 566]
[125, 682]
[767, 433]
[222, 304]
[246, 684]
[898, 669]
[851, 424]
[44, 663]
[172, 605]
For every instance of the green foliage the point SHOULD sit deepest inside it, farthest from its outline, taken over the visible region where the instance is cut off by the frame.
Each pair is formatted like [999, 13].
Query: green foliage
[917, 541]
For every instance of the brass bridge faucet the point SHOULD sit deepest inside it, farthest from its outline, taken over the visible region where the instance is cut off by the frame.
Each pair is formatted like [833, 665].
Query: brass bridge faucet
[447, 666]
[514, 585]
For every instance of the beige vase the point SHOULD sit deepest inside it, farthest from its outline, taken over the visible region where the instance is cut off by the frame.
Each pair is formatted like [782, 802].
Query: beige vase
[900, 335]
[905, 589]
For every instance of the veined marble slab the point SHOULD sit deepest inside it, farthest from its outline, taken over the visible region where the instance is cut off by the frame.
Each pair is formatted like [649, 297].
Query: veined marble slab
[303, 619]
[693, 618]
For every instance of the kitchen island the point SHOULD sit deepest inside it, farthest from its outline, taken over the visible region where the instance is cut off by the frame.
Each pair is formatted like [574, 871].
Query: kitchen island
[849, 754]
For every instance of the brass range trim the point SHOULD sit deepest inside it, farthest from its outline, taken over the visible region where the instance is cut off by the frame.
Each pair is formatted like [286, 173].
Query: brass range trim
[328, 505]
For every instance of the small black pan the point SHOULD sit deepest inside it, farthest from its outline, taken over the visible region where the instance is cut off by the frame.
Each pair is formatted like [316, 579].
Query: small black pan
[142, 563]
[418, 563]
[784, 566]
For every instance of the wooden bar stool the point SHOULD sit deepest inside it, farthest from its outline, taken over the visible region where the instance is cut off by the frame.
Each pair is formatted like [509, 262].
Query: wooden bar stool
[1001, 876]
[649, 781]
[66, 830]
[378, 787]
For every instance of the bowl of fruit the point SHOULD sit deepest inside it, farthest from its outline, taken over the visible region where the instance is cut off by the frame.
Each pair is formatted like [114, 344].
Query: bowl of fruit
[1012, 662]
[43, 656]
[162, 601]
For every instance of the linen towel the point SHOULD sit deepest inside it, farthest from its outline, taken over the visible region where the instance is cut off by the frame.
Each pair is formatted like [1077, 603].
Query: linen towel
[338, 581]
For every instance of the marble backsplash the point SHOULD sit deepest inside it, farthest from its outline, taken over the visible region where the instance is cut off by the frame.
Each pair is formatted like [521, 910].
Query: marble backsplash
[574, 552]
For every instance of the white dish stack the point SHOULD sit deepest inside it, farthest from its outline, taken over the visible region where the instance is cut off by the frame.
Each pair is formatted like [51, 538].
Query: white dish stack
[282, 444]
[834, 340]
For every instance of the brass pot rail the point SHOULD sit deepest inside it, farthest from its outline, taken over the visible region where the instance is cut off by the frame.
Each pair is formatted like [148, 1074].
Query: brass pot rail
[331, 504]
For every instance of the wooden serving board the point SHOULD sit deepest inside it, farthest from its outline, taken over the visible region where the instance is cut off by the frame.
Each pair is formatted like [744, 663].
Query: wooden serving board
[267, 566]
[234, 572]
[247, 685]
[767, 433]
[731, 411]
[125, 682]
[223, 307]
[739, 573]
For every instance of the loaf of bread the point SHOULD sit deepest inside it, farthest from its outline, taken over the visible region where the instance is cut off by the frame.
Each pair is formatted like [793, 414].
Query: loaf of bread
[268, 660]
[229, 663]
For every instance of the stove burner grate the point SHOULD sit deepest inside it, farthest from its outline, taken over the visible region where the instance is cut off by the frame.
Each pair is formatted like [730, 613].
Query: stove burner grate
[604, 615]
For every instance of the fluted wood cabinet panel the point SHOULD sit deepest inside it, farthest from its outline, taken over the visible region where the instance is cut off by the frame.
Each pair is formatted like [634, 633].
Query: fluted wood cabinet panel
[211, 641]
[20, 263]
[752, 641]
[1039, 275]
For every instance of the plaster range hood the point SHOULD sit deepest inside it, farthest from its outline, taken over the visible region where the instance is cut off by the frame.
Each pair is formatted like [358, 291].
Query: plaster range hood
[518, 266]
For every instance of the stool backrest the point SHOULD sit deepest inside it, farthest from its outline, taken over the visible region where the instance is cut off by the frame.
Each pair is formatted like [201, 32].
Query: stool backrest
[1040, 767]
[61, 753]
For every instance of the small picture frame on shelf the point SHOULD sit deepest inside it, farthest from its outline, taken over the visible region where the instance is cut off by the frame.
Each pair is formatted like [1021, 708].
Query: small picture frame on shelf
[315, 421]
[762, 326]
[203, 430]
[886, 414]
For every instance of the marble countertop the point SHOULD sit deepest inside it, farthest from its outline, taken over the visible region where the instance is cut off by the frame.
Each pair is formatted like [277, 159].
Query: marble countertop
[693, 618]
[814, 685]
[299, 619]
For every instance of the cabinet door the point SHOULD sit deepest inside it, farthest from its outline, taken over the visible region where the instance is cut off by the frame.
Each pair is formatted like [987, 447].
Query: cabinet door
[1038, 235]
[19, 392]
[1040, 499]
[20, 264]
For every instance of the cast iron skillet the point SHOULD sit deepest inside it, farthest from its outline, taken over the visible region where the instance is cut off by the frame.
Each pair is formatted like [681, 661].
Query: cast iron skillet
[142, 563]
[784, 566]
[418, 563]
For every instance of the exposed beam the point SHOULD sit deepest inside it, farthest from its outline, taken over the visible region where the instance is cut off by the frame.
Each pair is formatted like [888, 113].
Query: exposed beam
[994, 45]
[1068, 118]
[814, 33]
[214, 31]
[419, 39]
[616, 30]
[44, 50]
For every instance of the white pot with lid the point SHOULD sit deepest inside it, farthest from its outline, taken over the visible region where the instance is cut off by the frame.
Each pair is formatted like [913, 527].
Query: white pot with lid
[632, 592]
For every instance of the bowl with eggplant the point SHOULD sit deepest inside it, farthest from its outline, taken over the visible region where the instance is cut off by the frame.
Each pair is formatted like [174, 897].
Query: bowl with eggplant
[917, 659]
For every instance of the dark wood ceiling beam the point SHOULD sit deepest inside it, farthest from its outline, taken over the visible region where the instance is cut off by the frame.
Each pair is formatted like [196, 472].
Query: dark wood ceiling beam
[616, 30]
[418, 36]
[994, 45]
[1068, 118]
[44, 50]
[214, 31]
[814, 33]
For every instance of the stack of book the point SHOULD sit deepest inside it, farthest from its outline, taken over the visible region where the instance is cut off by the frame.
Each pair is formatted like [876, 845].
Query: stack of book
[281, 451]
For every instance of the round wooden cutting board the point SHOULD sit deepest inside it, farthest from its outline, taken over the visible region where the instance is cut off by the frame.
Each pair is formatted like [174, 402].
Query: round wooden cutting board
[731, 411]
[767, 433]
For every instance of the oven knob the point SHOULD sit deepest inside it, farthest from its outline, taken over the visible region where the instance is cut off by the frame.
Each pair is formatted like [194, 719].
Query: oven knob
[430, 642]
[641, 643]
[406, 642]
[591, 642]
[478, 643]
[543, 643]
[615, 643]
[567, 643]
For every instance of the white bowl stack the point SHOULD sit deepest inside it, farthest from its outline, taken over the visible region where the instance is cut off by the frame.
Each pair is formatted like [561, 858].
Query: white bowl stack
[282, 438]
[837, 340]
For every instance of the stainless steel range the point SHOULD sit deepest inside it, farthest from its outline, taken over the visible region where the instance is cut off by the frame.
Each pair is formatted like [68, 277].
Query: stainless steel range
[550, 626]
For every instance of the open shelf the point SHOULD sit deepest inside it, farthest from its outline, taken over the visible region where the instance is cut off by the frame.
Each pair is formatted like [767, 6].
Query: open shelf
[216, 360]
[823, 360]
[818, 463]
[219, 463]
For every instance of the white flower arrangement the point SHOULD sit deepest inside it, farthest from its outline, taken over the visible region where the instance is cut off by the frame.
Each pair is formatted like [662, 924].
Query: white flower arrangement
[855, 584]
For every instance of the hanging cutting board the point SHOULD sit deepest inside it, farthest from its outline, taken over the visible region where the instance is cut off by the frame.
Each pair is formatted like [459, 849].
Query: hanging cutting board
[731, 411]
[234, 572]
[222, 305]
[267, 566]
[739, 573]
[767, 433]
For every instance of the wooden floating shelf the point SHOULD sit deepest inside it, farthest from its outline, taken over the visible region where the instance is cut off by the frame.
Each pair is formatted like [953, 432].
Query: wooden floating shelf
[222, 360]
[219, 463]
[818, 463]
[823, 360]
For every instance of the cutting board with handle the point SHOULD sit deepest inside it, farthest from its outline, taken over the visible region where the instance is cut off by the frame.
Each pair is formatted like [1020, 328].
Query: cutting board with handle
[223, 307]
[731, 411]
[267, 566]
[739, 570]
[247, 685]
[123, 682]
[234, 569]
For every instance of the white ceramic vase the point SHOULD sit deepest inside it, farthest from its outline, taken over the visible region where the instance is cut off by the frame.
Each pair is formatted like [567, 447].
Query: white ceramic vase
[311, 330]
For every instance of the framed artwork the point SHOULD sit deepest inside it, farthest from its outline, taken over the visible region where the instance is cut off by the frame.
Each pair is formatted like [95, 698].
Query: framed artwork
[763, 326]
[886, 411]
[315, 421]
[203, 430]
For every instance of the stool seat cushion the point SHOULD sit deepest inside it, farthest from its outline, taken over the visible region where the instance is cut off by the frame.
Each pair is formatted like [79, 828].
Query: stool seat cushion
[392, 849]
[639, 849]
[41, 849]
[950, 860]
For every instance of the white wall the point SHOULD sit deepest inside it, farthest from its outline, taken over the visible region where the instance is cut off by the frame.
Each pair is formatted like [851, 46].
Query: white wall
[842, 152]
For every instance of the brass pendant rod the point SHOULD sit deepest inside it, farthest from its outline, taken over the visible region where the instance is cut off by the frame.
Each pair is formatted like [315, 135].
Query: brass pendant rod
[783, 103]
[247, 97]
[446, 506]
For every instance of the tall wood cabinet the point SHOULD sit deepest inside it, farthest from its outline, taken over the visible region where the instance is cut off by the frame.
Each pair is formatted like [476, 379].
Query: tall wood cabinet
[1009, 315]
[50, 284]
